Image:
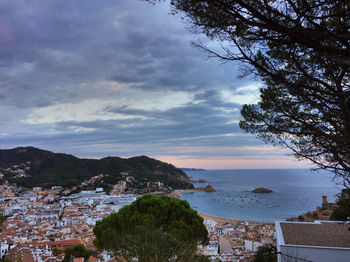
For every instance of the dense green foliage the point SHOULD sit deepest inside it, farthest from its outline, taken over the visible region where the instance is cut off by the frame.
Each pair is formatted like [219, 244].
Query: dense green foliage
[49, 169]
[266, 254]
[152, 228]
[2, 219]
[342, 212]
[56, 251]
[301, 52]
[77, 251]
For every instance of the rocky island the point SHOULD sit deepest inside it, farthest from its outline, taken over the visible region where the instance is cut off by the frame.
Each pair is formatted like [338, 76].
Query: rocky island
[262, 190]
[208, 188]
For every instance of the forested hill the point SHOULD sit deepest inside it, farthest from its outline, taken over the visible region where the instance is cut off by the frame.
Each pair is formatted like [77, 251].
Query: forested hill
[46, 169]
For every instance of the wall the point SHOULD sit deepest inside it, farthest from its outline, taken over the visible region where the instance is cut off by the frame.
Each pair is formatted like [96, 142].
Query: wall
[318, 254]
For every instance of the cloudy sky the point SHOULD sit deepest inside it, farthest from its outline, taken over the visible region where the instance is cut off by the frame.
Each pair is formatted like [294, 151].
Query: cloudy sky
[98, 78]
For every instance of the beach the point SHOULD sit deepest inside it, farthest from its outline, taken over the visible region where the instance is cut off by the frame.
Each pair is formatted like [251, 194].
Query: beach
[219, 220]
[234, 199]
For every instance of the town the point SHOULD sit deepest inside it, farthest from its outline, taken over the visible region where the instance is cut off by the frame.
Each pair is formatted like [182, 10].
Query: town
[41, 223]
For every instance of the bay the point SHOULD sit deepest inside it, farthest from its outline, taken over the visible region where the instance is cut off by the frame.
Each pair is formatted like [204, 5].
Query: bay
[295, 191]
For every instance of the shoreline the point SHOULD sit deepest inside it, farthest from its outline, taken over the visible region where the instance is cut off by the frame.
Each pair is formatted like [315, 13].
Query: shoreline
[175, 193]
[220, 220]
[223, 220]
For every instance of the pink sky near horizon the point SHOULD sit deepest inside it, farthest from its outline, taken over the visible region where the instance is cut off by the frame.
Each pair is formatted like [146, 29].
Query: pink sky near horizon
[234, 163]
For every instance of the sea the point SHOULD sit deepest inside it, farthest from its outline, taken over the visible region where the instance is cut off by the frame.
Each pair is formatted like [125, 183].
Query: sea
[295, 191]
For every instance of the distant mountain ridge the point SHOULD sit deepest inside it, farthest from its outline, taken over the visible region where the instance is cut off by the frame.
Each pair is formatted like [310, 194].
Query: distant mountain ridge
[45, 168]
[192, 169]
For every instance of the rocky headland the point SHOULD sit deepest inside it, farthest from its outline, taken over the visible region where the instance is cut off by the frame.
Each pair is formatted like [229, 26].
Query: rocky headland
[323, 212]
[175, 193]
[198, 181]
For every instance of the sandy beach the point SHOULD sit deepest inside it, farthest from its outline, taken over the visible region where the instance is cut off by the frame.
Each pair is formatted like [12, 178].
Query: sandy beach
[220, 220]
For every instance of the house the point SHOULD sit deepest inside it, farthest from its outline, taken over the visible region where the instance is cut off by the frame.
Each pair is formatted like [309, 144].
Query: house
[59, 188]
[4, 248]
[320, 241]
[37, 189]
[99, 190]
[20, 253]
[225, 245]
[61, 244]
[93, 259]
[130, 179]
[252, 245]
[219, 231]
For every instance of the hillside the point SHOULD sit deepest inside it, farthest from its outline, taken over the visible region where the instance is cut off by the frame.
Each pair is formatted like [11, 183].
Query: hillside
[29, 167]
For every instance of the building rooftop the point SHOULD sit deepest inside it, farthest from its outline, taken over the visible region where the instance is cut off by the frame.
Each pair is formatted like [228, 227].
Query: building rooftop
[327, 234]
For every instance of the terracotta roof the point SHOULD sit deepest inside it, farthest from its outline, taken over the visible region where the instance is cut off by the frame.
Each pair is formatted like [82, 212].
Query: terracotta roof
[20, 253]
[69, 242]
[317, 234]
[65, 242]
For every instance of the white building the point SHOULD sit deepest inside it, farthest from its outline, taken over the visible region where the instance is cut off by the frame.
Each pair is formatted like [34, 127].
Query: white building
[4, 248]
[321, 241]
[252, 245]
[99, 190]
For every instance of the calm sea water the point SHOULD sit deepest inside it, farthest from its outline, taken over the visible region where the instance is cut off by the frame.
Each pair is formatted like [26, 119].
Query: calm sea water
[295, 191]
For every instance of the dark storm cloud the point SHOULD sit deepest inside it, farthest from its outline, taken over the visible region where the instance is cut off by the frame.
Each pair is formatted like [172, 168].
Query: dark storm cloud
[207, 114]
[69, 52]
[49, 46]
[189, 125]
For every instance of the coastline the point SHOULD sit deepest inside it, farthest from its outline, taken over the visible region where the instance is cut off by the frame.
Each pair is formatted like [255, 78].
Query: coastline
[175, 193]
[223, 220]
[219, 220]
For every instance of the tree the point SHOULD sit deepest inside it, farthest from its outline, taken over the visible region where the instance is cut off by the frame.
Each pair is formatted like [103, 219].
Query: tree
[152, 228]
[56, 251]
[342, 212]
[2, 219]
[77, 251]
[266, 254]
[301, 51]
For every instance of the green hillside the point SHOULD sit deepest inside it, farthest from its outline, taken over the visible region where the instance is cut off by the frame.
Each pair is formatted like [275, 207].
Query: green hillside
[46, 169]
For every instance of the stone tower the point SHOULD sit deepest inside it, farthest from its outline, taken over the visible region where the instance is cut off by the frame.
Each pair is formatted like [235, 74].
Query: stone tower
[324, 202]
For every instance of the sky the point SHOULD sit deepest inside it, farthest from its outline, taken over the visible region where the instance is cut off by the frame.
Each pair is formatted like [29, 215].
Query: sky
[121, 78]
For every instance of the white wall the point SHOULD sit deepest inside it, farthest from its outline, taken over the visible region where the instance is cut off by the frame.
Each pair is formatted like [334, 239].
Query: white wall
[317, 254]
[252, 245]
[3, 249]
